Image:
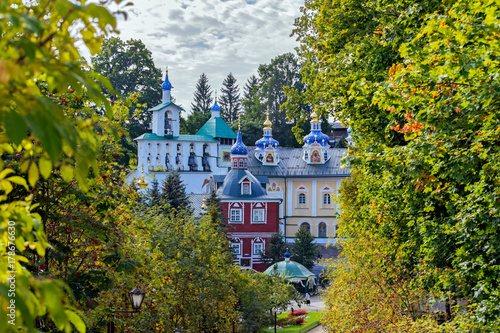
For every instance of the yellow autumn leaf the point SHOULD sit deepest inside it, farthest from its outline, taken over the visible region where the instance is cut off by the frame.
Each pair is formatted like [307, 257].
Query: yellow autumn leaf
[67, 172]
[45, 167]
[33, 174]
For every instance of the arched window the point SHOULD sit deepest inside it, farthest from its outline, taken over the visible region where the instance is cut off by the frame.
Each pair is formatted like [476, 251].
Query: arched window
[306, 226]
[302, 199]
[241, 163]
[326, 199]
[322, 229]
[235, 163]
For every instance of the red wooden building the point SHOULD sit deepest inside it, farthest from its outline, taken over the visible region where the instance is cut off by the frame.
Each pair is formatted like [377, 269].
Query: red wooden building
[253, 216]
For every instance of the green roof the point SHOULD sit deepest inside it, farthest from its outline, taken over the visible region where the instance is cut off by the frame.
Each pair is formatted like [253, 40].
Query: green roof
[217, 128]
[182, 137]
[164, 105]
[290, 270]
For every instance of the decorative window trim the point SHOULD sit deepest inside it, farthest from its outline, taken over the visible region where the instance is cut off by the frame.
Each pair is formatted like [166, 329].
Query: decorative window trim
[259, 211]
[327, 199]
[241, 163]
[248, 187]
[236, 248]
[301, 199]
[235, 213]
[256, 251]
[235, 163]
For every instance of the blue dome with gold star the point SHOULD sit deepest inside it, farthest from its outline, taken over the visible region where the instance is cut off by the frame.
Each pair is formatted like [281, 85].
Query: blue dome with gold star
[239, 147]
[166, 85]
[267, 141]
[318, 137]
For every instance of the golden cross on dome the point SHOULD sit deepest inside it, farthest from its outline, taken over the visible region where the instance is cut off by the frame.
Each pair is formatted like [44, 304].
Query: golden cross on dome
[239, 122]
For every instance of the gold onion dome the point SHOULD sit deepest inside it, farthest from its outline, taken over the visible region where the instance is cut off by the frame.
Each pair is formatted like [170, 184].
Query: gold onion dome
[315, 117]
[142, 182]
[267, 123]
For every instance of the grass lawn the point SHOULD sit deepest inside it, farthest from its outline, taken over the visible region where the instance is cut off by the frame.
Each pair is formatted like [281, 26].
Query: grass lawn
[311, 322]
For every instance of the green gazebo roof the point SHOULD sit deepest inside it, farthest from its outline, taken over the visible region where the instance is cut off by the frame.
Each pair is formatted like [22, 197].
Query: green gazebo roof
[216, 127]
[290, 270]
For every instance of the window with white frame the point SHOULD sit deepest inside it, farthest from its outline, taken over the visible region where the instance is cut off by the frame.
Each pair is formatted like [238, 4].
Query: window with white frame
[302, 199]
[246, 188]
[258, 215]
[241, 163]
[235, 163]
[327, 199]
[258, 248]
[236, 248]
[235, 215]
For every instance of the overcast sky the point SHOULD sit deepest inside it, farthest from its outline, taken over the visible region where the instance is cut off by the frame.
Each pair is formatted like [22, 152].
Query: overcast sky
[215, 37]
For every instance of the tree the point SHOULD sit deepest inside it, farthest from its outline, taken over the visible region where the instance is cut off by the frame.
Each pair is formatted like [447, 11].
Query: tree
[194, 122]
[283, 70]
[252, 107]
[173, 192]
[153, 196]
[252, 129]
[202, 102]
[418, 94]
[277, 248]
[258, 295]
[342, 143]
[230, 99]
[130, 68]
[304, 250]
[37, 47]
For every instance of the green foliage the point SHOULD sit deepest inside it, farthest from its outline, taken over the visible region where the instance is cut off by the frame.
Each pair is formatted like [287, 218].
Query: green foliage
[415, 81]
[194, 122]
[185, 269]
[268, 91]
[276, 250]
[230, 99]
[129, 67]
[342, 143]
[38, 60]
[173, 193]
[258, 294]
[252, 129]
[304, 250]
[202, 102]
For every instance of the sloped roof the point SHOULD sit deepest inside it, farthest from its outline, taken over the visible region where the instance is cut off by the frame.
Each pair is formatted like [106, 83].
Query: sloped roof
[291, 164]
[216, 127]
[164, 105]
[181, 137]
[231, 188]
[290, 270]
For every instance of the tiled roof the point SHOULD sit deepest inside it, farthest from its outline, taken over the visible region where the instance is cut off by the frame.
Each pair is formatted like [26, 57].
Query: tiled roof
[164, 105]
[292, 164]
[181, 137]
[216, 127]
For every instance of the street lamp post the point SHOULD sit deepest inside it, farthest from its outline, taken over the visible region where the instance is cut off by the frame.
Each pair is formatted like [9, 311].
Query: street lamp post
[136, 298]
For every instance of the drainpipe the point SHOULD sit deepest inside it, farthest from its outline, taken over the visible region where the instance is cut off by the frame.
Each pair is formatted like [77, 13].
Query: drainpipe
[285, 210]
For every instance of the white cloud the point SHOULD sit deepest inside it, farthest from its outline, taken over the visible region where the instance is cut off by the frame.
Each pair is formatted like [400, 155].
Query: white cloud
[212, 37]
